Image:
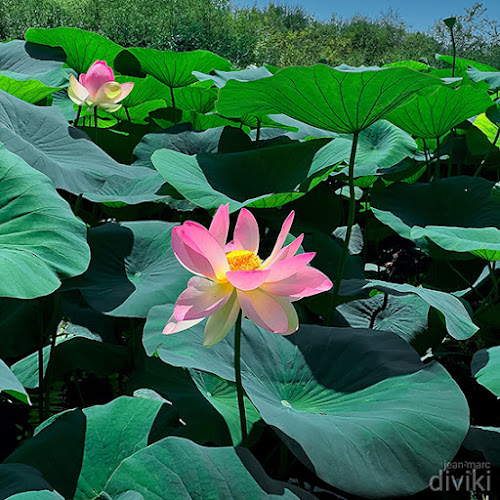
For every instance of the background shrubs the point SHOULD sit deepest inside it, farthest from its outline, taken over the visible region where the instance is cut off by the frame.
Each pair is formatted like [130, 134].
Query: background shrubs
[278, 35]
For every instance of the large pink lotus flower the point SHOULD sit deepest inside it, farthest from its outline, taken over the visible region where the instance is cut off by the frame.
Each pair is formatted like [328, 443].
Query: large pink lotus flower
[98, 88]
[231, 276]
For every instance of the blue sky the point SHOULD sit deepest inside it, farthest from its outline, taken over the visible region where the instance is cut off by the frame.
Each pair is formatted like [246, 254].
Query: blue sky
[419, 15]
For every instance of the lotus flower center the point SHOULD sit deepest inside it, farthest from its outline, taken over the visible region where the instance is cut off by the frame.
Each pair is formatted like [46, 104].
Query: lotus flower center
[243, 260]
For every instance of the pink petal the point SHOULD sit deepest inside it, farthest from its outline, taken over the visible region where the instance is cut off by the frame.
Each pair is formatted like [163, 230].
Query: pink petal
[288, 267]
[221, 321]
[290, 250]
[285, 229]
[291, 314]
[230, 247]
[76, 91]
[174, 326]
[247, 280]
[264, 310]
[309, 281]
[198, 237]
[220, 224]
[97, 75]
[190, 258]
[246, 232]
[126, 89]
[201, 298]
[109, 93]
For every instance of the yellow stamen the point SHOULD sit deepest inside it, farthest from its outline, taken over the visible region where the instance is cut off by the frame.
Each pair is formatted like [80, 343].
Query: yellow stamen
[243, 260]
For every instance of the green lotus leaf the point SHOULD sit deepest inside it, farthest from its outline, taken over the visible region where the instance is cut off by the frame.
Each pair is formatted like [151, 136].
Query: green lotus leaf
[112, 449]
[87, 446]
[485, 368]
[133, 268]
[492, 78]
[82, 48]
[172, 68]
[22, 61]
[463, 64]
[344, 100]
[220, 78]
[434, 112]
[350, 403]
[27, 90]
[69, 158]
[209, 180]
[41, 241]
[458, 321]
[456, 213]
[11, 385]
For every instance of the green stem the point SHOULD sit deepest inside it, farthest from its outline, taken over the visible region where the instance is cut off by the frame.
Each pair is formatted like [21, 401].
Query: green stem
[378, 311]
[95, 117]
[350, 223]
[480, 295]
[438, 160]
[426, 152]
[493, 279]
[78, 203]
[77, 119]
[239, 386]
[40, 363]
[450, 161]
[454, 52]
[172, 95]
[257, 137]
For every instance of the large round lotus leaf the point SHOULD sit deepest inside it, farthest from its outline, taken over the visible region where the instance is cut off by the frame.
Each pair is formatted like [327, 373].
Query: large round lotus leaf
[434, 112]
[11, 385]
[404, 315]
[132, 269]
[384, 144]
[37, 495]
[458, 322]
[463, 64]
[87, 446]
[456, 213]
[485, 368]
[352, 404]
[27, 90]
[342, 100]
[220, 78]
[355, 404]
[105, 449]
[241, 178]
[416, 65]
[180, 138]
[191, 471]
[66, 155]
[172, 68]
[41, 241]
[492, 78]
[82, 47]
[483, 242]
[21, 61]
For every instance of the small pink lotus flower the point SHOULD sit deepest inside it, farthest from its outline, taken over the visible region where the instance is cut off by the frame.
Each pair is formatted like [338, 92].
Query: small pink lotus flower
[98, 88]
[231, 276]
